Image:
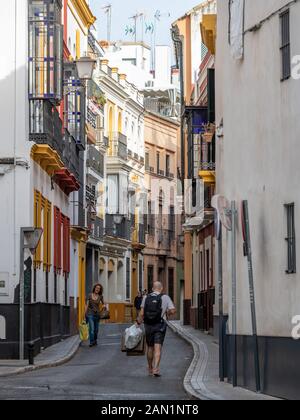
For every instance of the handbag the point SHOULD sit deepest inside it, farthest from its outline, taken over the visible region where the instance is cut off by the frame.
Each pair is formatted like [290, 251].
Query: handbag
[104, 314]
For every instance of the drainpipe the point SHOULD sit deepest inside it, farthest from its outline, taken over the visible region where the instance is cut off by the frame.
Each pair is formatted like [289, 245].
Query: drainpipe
[178, 43]
[15, 148]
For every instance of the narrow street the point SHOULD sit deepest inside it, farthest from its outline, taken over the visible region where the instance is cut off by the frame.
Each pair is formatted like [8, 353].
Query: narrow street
[104, 373]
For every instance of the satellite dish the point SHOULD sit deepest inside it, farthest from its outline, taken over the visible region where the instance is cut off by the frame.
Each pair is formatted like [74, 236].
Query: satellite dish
[222, 205]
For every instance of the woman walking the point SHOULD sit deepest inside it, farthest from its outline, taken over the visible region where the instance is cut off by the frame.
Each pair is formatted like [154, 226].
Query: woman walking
[92, 311]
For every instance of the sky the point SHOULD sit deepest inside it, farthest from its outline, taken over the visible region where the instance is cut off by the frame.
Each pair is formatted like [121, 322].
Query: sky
[122, 10]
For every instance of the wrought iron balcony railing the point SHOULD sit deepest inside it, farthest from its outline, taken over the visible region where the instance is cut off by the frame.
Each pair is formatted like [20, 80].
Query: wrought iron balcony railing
[46, 125]
[118, 230]
[95, 160]
[71, 154]
[78, 214]
[118, 146]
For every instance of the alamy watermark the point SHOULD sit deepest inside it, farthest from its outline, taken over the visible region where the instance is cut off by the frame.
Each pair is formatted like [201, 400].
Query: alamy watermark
[296, 329]
[296, 67]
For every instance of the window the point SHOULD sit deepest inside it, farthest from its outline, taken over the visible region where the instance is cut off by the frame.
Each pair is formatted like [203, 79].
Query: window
[34, 285]
[66, 295]
[61, 242]
[171, 283]
[151, 219]
[285, 45]
[150, 278]
[141, 275]
[291, 239]
[43, 219]
[172, 223]
[147, 161]
[127, 278]
[47, 287]
[74, 105]
[55, 287]
[130, 61]
[157, 162]
[45, 50]
[168, 165]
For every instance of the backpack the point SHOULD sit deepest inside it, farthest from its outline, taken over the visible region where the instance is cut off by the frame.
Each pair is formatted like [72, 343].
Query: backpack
[153, 309]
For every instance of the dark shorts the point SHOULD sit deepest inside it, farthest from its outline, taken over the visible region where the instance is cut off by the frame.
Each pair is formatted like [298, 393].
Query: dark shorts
[155, 334]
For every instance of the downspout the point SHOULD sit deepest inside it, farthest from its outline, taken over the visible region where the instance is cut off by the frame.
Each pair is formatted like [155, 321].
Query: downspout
[15, 149]
[177, 40]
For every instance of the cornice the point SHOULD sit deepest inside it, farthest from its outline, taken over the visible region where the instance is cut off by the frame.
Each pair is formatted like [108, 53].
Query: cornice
[84, 12]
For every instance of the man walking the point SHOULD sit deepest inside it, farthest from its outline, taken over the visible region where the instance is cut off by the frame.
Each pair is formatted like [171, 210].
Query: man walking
[155, 309]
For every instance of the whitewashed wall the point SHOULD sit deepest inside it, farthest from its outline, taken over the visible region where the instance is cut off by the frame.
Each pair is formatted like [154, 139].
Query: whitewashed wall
[258, 160]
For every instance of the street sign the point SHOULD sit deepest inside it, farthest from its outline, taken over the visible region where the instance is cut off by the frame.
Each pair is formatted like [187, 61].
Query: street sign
[222, 205]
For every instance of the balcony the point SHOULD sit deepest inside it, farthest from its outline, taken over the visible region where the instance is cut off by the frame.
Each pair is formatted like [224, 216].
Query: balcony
[46, 125]
[121, 230]
[95, 161]
[45, 50]
[105, 141]
[118, 146]
[169, 175]
[162, 107]
[164, 239]
[70, 155]
[207, 164]
[139, 237]
[96, 228]
[74, 105]
[78, 214]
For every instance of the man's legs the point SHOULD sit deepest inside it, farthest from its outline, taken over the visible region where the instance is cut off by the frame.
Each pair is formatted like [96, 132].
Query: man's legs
[150, 356]
[157, 358]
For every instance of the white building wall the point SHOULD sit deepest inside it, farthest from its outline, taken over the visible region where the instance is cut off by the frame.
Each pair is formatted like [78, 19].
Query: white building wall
[258, 160]
[14, 181]
[163, 64]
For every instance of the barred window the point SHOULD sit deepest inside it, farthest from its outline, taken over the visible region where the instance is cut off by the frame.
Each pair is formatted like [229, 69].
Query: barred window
[285, 45]
[291, 239]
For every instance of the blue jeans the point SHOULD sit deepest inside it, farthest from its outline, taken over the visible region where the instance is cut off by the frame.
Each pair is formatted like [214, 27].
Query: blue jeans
[93, 321]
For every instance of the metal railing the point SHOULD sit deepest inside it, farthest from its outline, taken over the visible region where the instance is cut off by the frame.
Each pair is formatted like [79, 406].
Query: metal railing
[164, 108]
[71, 154]
[207, 156]
[46, 125]
[121, 230]
[78, 214]
[96, 228]
[118, 146]
[95, 160]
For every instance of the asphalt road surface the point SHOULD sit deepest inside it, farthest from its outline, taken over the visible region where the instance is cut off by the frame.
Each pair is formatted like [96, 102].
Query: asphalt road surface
[104, 373]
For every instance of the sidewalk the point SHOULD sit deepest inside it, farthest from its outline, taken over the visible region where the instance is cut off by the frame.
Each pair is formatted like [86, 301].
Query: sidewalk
[202, 378]
[53, 356]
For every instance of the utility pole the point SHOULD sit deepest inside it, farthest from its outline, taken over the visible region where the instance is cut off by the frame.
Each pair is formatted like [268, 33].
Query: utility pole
[108, 11]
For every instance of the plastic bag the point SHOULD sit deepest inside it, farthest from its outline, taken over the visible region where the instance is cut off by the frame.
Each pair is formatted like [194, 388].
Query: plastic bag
[84, 331]
[133, 337]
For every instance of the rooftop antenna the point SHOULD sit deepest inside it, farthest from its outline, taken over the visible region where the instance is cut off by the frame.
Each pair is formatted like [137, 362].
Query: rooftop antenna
[157, 18]
[135, 18]
[108, 11]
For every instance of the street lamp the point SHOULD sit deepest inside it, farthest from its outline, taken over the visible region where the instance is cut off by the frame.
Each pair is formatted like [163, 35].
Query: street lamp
[85, 67]
[30, 239]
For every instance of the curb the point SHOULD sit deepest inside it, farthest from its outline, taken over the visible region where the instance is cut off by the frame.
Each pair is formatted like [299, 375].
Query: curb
[45, 365]
[190, 380]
